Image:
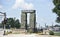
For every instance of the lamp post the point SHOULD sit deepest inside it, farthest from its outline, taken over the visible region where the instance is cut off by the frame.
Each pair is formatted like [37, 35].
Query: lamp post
[4, 14]
[4, 22]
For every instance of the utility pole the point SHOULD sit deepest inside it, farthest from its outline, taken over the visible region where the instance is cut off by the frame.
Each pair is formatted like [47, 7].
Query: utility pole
[4, 14]
[39, 26]
[45, 25]
[46, 28]
[4, 23]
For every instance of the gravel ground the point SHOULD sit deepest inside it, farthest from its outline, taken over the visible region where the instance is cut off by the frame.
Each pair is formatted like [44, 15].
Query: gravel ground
[23, 35]
[26, 35]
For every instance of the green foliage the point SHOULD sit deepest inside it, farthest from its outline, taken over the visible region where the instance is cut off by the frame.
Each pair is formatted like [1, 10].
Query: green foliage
[57, 25]
[56, 2]
[17, 24]
[12, 23]
[57, 34]
[58, 20]
[9, 32]
[51, 33]
[57, 9]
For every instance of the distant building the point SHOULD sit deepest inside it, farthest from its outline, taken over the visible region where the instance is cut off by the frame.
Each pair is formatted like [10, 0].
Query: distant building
[54, 28]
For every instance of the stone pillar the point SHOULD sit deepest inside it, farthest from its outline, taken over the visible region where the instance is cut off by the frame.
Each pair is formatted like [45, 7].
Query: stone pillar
[23, 20]
[32, 21]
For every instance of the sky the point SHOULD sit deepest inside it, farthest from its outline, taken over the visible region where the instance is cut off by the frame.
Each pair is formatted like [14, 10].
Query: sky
[44, 14]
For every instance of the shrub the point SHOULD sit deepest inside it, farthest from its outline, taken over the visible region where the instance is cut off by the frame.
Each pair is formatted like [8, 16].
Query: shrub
[51, 33]
[9, 32]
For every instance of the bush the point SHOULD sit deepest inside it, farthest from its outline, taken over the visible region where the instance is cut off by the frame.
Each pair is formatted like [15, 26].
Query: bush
[9, 32]
[51, 33]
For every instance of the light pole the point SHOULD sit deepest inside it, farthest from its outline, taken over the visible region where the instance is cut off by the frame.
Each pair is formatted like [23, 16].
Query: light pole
[4, 14]
[4, 22]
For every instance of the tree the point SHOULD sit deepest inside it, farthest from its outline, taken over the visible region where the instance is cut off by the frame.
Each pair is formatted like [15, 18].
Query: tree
[12, 23]
[17, 24]
[57, 9]
[57, 25]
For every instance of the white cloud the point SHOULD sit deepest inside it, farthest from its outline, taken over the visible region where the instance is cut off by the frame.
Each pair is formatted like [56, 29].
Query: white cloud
[22, 4]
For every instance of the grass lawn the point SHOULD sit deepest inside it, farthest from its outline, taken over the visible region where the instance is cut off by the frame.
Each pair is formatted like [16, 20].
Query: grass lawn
[57, 33]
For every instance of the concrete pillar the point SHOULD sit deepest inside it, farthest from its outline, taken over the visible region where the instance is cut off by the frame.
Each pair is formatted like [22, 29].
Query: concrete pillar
[23, 20]
[32, 21]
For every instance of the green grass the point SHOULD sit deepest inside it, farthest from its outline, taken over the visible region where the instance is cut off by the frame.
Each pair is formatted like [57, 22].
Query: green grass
[57, 33]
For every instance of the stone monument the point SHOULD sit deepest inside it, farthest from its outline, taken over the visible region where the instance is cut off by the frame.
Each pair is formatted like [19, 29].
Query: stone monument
[32, 19]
